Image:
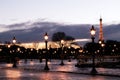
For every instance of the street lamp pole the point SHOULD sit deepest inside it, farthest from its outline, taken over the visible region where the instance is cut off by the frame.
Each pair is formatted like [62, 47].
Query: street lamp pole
[93, 71]
[46, 56]
[62, 63]
[14, 58]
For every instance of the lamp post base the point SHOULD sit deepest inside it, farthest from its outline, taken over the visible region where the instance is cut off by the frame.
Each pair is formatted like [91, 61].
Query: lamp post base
[46, 68]
[40, 60]
[94, 71]
[69, 60]
[25, 61]
[62, 63]
[14, 65]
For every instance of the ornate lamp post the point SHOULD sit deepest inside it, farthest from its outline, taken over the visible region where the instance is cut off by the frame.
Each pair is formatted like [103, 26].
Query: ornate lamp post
[46, 62]
[14, 58]
[69, 51]
[93, 31]
[62, 63]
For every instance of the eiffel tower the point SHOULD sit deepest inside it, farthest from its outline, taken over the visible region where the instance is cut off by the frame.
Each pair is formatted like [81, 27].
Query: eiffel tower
[101, 38]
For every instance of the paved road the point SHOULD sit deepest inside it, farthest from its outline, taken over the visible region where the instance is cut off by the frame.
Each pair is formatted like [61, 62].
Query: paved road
[33, 70]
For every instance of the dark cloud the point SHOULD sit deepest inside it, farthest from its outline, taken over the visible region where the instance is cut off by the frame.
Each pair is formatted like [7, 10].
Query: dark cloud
[28, 32]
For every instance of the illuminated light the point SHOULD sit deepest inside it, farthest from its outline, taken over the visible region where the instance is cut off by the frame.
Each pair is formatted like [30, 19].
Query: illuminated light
[0, 49]
[113, 50]
[18, 49]
[46, 36]
[10, 51]
[13, 51]
[62, 41]
[114, 45]
[65, 51]
[14, 40]
[81, 51]
[102, 45]
[93, 31]
[31, 49]
[69, 47]
[41, 45]
[98, 51]
[8, 46]
[100, 42]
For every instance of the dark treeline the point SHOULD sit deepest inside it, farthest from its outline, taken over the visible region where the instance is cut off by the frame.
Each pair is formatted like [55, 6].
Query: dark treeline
[110, 47]
[7, 53]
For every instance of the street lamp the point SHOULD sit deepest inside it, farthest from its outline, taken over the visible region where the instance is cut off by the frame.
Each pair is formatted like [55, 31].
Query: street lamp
[69, 51]
[102, 44]
[46, 56]
[14, 58]
[93, 31]
[14, 40]
[62, 63]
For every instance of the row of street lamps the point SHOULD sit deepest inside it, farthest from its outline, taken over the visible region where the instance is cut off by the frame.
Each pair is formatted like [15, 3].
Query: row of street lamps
[46, 57]
[92, 31]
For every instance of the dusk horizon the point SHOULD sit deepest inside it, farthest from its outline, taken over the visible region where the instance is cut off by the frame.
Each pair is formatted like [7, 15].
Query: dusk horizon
[37, 28]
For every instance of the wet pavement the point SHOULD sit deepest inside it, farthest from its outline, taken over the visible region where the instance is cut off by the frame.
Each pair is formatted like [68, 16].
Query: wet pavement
[34, 70]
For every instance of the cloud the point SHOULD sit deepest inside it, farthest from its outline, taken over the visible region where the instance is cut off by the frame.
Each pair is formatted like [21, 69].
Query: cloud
[34, 31]
[3, 28]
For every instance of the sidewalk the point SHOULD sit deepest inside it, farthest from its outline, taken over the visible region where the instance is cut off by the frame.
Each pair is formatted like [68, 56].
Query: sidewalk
[69, 67]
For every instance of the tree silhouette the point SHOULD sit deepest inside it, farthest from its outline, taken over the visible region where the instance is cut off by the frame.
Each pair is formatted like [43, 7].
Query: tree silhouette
[61, 35]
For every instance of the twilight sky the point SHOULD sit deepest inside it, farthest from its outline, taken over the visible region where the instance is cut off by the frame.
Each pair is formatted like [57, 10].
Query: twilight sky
[63, 11]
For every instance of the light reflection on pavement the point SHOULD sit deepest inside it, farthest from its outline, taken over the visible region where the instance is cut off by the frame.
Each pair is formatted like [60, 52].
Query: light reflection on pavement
[23, 75]
[36, 72]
